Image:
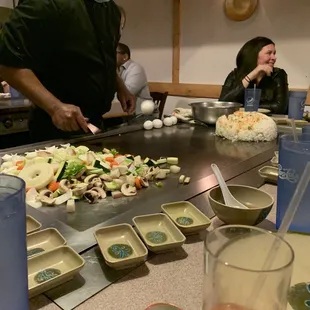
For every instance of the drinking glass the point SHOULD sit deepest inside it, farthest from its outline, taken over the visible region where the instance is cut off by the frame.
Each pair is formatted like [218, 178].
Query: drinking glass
[13, 259]
[306, 129]
[234, 260]
[293, 157]
[251, 99]
[297, 104]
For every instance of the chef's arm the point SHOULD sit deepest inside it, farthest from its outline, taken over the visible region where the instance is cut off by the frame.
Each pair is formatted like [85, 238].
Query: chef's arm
[26, 82]
[232, 90]
[281, 99]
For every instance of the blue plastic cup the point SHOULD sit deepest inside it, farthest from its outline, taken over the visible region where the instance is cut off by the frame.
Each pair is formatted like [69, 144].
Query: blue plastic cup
[13, 245]
[296, 105]
[15, 94]
[306, 129]
[293, 157]
[252, 99]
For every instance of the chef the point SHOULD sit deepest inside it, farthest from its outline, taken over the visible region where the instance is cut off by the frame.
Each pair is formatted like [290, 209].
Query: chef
[61, 55]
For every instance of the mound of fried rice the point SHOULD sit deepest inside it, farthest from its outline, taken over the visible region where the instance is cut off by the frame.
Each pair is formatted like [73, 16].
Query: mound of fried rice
[246, 126]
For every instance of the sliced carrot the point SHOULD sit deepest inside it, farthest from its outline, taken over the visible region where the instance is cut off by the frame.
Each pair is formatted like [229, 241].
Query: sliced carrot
[109, 159]
[114, 163]
[118, 155]
[138, 183]
[53, 186]
[20, 167]
[19, 162]
[28, 189]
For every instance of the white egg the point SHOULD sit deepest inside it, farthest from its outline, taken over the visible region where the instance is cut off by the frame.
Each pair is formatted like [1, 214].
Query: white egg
[174, 120]
[148, 125]
[168, 122]
[147, 107]
[157, 123]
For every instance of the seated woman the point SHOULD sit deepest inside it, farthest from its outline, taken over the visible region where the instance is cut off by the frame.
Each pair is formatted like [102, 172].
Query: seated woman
[255, 65]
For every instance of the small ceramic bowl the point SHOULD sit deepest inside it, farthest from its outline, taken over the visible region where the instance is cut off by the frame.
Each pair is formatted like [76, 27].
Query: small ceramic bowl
[162, 306]
[259, 204]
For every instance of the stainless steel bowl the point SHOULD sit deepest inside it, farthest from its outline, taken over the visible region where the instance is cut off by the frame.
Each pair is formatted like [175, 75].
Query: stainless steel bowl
[209, 111]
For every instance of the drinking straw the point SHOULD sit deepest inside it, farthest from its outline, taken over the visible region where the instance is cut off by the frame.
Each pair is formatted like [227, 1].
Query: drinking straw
[286, 222]
[254, 92]
[292, 121]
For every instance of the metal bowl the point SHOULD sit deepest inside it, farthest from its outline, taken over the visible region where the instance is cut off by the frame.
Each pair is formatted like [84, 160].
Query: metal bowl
[209, 111]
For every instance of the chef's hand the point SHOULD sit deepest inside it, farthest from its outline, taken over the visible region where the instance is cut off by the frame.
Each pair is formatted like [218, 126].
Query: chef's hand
[68, 117]
[127, 100]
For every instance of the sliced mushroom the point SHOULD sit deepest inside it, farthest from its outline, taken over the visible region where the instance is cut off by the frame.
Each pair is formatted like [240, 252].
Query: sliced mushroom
[89, 178]
[63, 186]
[100, 191]
[96, 182]
[144, 182]
[72, 182]
[105, 177]
[46, 196]
[131, 180]
[128, 190]
[79, 189]
[46, 193]
[91, 196]
[152, 171]
[47, 200]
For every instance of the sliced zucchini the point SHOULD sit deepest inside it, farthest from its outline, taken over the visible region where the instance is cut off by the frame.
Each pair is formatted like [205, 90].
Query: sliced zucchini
[172, 160]
[94, 170]
[111, 186]
[161, 161]
[97, 164]
[181, 179]
[187, 180]
[61, 171]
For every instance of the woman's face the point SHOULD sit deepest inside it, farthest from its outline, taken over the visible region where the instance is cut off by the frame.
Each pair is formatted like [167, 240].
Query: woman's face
[267, 55]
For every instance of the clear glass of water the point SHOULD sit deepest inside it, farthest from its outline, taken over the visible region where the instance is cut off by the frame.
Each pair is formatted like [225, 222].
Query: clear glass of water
[234, 265]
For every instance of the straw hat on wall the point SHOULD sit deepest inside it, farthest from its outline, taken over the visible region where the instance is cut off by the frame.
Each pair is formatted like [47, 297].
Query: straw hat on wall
[239, 10]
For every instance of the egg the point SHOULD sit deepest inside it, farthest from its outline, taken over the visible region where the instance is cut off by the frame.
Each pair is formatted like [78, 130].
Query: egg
[157, 123]
[168, 121]
[174, 120]
[147, 107]
[148, 125]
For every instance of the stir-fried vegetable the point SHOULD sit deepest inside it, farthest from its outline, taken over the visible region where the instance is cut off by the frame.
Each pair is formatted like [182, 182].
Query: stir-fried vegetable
[58, 175]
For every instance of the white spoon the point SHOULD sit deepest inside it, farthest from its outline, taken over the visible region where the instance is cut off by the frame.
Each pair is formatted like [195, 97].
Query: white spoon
[229, 199]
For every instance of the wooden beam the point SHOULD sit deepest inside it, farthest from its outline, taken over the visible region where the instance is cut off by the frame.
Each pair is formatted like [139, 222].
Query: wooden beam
[193, 90]
[308, 97]
[187, 90]
[176, 41]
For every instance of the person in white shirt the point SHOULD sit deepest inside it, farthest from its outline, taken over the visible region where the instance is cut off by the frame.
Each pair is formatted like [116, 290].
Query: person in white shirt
[133, 75]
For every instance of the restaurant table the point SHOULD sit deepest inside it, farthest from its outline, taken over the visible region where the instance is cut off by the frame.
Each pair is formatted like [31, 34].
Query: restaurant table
[175, 277]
